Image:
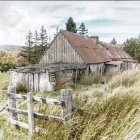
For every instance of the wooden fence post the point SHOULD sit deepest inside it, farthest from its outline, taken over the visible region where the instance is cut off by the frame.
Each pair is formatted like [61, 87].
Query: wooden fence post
[11, 91]
[66, 96]
[30, 113]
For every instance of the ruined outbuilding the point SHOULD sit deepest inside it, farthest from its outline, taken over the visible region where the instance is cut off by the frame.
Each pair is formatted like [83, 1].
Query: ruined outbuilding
[73, 55]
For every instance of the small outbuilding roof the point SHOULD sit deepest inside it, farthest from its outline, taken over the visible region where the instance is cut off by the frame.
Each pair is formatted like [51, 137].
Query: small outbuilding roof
[114, 52]
[114, 63]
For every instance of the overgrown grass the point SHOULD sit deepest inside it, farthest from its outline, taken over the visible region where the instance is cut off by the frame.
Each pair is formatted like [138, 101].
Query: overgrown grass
[4, 80]
[101, 112]
[94, 78]
[63, 81]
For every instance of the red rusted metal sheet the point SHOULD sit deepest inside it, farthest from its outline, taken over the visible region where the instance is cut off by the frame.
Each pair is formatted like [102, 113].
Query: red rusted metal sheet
[86, 48]
[115, 53]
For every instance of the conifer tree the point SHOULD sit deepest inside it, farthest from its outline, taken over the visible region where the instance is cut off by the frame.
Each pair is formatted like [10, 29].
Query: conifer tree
[82, 29]
[36, 39]
[27, 50]
[71, 25]
[113, 42]
[43, 37]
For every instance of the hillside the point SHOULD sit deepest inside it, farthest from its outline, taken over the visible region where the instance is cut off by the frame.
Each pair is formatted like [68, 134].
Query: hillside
[10, 48]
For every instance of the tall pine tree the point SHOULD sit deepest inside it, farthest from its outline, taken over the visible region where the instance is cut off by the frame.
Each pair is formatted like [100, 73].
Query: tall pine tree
[82, 29]
[71, 25]
[36, 39]
[27, 50]
[43, 37]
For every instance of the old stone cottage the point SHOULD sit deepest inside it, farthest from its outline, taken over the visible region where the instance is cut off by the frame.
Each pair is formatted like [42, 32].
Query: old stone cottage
[74, 55]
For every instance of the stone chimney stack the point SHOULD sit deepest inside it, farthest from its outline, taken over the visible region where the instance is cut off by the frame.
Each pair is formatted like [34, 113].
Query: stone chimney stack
[95, 38]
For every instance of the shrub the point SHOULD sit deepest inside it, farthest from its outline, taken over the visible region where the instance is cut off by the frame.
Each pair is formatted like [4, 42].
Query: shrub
[90, 79]
[21, 88]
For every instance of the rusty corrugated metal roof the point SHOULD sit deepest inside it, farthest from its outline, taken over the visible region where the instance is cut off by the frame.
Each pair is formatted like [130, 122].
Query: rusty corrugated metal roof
[86, 48]
[114, 52]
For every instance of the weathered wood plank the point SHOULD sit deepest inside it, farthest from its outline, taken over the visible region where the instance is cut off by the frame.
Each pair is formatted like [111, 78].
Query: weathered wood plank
[37, 99]
[36, 115]
[18, 123]
[12, 101]
[30, 113]
[48, 117]
[47, 100]
[66, 95]
[17, 111]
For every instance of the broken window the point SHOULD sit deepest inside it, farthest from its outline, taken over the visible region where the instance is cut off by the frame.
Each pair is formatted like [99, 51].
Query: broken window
[52, 77]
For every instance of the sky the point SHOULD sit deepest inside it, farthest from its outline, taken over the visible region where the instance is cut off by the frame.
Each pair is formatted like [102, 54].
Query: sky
[106, 19]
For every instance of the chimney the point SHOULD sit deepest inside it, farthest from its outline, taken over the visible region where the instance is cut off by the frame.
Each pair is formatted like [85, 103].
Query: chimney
[95, 38]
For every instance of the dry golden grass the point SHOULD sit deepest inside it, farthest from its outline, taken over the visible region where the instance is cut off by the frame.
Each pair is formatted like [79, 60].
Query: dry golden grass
[103, 112]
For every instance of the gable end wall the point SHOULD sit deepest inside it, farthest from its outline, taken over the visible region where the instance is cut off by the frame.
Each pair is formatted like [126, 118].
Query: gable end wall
[61, 51]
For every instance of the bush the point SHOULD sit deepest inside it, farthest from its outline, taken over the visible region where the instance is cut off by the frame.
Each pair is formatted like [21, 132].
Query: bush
[90, 79]
[6, 67]
[21, 88]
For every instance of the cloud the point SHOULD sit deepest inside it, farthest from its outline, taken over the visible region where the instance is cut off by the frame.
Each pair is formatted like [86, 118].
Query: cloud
[106, 18]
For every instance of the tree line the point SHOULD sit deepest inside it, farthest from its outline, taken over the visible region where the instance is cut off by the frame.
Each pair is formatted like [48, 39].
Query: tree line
[37, 42]
[35, 45]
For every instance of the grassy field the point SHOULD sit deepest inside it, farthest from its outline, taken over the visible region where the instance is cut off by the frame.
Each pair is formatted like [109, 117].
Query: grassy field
[103, 112]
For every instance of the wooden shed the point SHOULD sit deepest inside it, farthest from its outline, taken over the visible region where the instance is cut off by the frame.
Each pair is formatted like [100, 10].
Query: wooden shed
[72, 54]
[120, 59]
[41, 77]
[71, 48]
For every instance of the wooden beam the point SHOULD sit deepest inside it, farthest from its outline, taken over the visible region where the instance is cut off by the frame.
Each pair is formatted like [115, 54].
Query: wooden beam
[36, 115]
[47, 100]
[48, 117]
[30, 113]
[18, 123]
[38, 99]
[12, 101]
[17, 111]
[66, 95]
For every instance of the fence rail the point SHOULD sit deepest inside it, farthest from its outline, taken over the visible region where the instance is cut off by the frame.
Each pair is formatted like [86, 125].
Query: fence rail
[65, 103]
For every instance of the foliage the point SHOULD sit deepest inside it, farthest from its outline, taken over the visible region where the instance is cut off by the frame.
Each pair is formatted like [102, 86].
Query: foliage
[132, 47]
[6, 67]
[21, 88]
[94, 78]
[113, 42]
[35, 46]
[71, 25]
[82, 29]
[20, 61]
[43, 37]
[27, 51]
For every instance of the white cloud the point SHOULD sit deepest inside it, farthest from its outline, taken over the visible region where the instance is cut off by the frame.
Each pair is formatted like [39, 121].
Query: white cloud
[17, 17]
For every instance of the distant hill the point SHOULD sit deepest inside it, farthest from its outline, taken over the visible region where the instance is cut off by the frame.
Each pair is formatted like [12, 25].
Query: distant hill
[10, 48]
